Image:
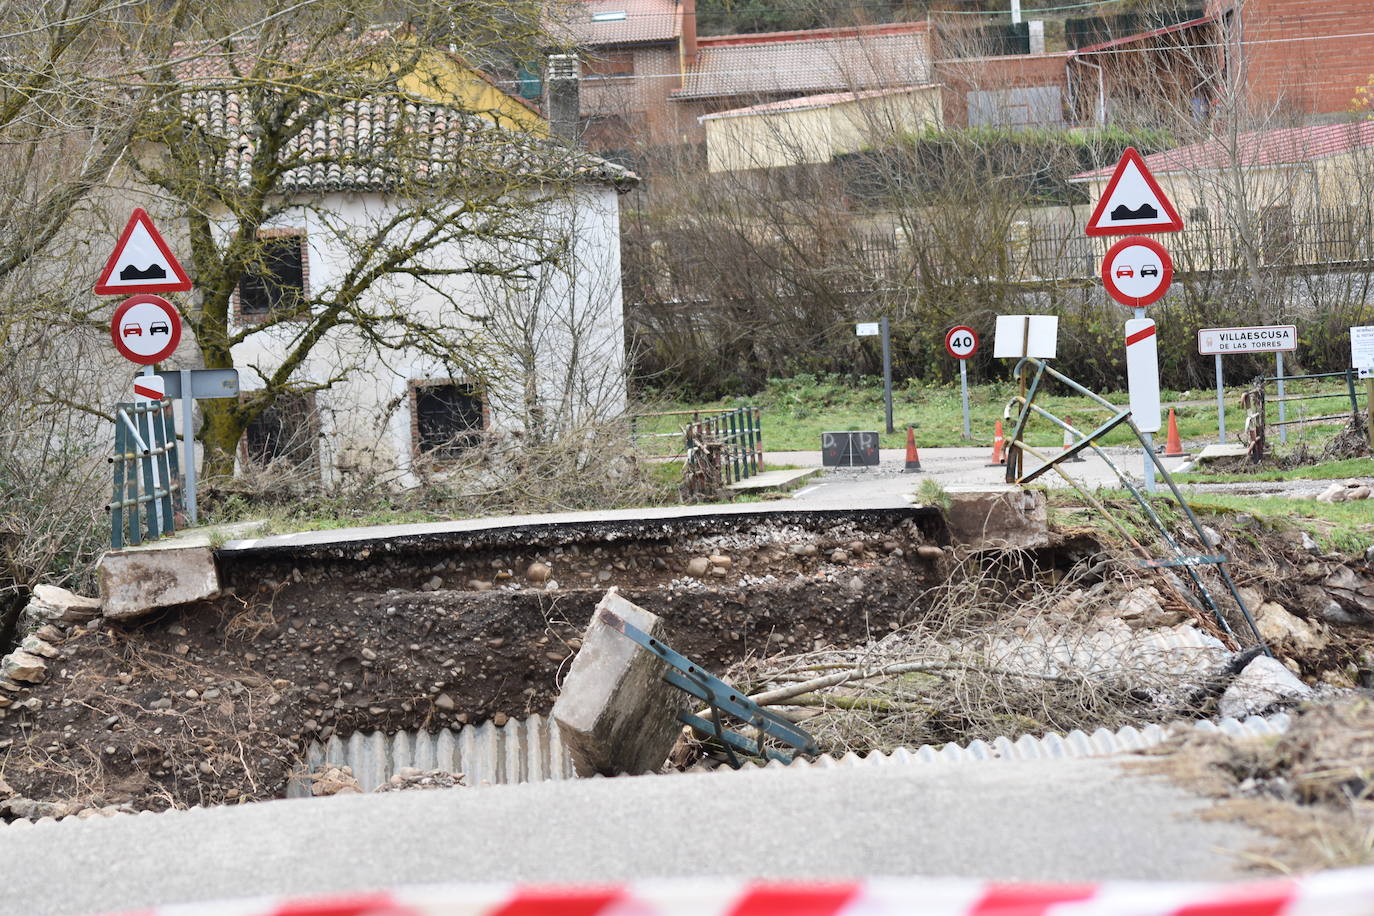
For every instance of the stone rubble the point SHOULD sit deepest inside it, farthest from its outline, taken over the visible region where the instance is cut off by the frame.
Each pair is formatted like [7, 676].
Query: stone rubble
[1264, 684]
[411, 778]
[1344, 492]
[333, 780]
[53, 605]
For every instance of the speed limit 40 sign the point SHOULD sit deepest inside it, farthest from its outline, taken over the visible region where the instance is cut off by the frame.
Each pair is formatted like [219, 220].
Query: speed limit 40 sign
[961, 342]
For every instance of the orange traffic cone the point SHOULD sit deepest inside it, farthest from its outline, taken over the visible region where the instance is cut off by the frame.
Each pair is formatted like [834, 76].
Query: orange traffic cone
[913, 458]
[1173, 448]
[999, 459]
[1068, 442]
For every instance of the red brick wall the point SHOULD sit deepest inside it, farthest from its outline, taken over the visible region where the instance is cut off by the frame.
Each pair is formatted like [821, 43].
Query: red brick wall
[1311, 75]
[632, 110]
[962, 76]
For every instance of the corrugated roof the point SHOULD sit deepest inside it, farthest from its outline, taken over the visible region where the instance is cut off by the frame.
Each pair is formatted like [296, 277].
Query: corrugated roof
[596, 22]
[793, 62]
[1257, 149]
[379, 144]
[805, 102]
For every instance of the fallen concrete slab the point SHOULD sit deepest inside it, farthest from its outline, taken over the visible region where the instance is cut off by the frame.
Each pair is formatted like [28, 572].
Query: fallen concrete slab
[773, 480]
[615, 713]
[1004, 517]
[135, 582]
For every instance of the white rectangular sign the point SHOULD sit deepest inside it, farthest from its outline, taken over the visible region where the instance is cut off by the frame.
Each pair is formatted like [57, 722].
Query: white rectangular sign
[1362, 350]
[1025, 335]
[1142, 373]
[868, 329]
[1268, 339]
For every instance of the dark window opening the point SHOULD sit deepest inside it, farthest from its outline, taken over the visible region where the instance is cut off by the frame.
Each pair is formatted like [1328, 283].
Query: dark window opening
[449, 418]
[285, 431]
[277, 282]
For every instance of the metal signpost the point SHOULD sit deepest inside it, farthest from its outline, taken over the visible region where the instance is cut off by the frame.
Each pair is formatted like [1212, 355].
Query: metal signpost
[1217, 342]
[1023, 337]
[873, 329]
[961, 343]
[146, 330]
[191, 385]
[1362, 360]
[1137, 271]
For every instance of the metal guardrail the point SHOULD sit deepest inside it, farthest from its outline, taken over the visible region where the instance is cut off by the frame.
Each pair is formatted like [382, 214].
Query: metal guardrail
[1033, 373]
[147, 474]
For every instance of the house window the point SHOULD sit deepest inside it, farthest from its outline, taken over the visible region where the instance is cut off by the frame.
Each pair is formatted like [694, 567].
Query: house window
[276, 282]
[284, 432]
[1198, 215]
[449, 418]
[610, 64]
[611, 16]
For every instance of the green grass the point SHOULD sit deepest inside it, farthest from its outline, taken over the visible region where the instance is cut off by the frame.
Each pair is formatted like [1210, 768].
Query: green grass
[796, 411]
[1326, 470]
[1345, 527]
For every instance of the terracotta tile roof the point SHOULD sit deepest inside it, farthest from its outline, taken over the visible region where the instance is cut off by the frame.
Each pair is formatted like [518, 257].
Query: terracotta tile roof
[1257, 149]
[381, 144]
[806, 102]
[791, 62]
[598, 22]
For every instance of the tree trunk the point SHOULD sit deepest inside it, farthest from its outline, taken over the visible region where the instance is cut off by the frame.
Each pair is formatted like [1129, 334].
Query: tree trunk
[220, 435]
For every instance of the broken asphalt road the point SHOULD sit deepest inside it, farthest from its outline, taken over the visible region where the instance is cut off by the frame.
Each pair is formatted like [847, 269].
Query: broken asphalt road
[1064, 820]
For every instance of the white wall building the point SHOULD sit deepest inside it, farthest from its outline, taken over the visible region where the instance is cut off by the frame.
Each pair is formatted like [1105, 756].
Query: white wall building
[445, 363]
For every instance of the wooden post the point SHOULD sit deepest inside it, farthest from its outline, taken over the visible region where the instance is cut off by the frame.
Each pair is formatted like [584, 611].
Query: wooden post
[1369, 409]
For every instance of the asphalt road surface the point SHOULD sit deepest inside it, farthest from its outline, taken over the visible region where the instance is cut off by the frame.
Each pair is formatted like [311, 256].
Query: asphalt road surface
[1068, 820]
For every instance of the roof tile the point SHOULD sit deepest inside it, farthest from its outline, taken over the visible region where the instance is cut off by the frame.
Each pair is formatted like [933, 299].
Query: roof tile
[1258, 149]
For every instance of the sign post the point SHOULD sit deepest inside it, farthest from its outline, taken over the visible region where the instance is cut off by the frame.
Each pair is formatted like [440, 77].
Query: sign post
[961, 343]
[1279, 338]
[873, 329]
[1137, 272]
[146, 329]
[1362, 359]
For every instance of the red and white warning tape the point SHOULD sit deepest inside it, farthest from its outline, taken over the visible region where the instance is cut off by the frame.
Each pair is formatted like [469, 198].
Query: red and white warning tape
[1335, 893]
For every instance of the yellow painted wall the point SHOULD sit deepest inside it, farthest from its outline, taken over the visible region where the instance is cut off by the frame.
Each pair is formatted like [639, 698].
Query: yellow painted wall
[782, 138]
[446, 78]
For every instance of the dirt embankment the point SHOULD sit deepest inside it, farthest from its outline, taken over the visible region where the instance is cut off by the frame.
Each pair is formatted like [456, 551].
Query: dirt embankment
[215, 702]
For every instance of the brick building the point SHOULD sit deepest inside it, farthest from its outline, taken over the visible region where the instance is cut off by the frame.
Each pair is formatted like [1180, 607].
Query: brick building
[634, 55]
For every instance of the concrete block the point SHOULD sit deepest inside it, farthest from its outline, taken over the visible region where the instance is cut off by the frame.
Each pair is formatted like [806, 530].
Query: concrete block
[615, 713]
[134, 582]
[1001, 517]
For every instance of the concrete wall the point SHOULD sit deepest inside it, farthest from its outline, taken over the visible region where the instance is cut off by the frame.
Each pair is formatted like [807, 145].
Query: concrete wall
[773, 139]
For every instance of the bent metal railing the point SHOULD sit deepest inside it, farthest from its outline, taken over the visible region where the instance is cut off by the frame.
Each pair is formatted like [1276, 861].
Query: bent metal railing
[147, 475]
[1018, 448]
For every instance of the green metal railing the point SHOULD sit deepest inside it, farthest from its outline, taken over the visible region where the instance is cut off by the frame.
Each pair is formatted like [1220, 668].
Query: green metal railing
[147, 474]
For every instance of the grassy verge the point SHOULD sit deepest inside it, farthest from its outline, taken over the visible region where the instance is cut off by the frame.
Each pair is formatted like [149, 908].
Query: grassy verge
[1326, 470]
[1345, 527]
[797, 410]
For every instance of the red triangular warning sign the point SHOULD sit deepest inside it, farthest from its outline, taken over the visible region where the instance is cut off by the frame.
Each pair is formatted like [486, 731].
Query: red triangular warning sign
[141, 262]
[1133, 202]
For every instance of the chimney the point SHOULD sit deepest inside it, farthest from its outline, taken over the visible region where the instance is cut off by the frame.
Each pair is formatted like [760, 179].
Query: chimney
[689, 34]
[562, 105]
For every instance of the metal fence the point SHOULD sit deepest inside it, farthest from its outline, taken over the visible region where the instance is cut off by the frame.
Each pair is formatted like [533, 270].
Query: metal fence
[1329, 236]
[1257, 402]
[720, 446]
[147, 474]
